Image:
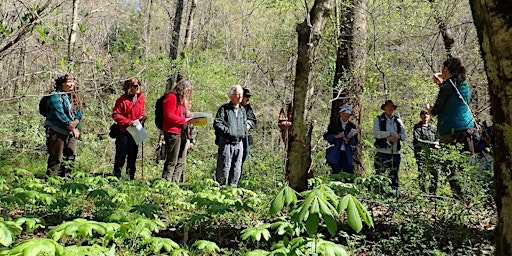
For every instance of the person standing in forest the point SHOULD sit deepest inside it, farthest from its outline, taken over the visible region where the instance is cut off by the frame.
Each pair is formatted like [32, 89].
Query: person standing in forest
[175, 109]
[230, 126]
[62, 126]
[424, 139]
[388, 131]
[128, 108]
[186, 144]
[251, 124]
[455, 123]
[341, 135]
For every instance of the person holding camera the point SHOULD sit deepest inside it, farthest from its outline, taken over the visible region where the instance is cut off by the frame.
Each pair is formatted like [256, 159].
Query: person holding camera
[62, 126]
[388, 131]
[128, 108]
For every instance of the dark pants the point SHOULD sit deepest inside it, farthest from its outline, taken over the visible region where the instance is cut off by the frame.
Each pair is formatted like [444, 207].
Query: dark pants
[172, 151]
[246, 144]
[229, 163]
[388, 163]
[342, 165]
[61, 152]
[428, 174]
[182, 159]
[126, 150]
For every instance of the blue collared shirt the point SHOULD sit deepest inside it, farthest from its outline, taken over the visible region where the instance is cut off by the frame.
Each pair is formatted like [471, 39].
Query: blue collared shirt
[61, 113]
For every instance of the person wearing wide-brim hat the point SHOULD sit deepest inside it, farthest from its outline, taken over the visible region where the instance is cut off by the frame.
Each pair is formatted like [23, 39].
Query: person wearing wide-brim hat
[388, 130]
[341, 135]
[388, 103]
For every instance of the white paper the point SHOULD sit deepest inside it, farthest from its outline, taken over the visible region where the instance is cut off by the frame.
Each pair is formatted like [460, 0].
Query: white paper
[138, 133]
[202, 118]
[352, 133]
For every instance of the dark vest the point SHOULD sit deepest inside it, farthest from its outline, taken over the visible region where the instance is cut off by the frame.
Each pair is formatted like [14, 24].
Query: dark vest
[382, 143]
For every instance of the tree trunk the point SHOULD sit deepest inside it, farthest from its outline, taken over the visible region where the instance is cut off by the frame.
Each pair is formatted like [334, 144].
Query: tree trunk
[443, 29]
[173, 51]
[74, 28]
[147, 34]
[190, 23]
[494, 27]
[309, 38]
[349, 76]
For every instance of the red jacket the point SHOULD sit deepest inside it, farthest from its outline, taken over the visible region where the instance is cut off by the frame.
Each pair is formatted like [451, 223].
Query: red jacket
[174, 119]
[125, 111]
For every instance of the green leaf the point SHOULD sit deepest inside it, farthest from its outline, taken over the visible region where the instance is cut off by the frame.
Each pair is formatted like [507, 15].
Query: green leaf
[206, 246]
[255, 233]
[312, 223]
[257, 253]
[353, 218]
[98, 193]
[36, 246]
[329, 221]
[157, 243]
[364, 213]
[343, 204]
[327, 248]
[278, 202]
[290, 196]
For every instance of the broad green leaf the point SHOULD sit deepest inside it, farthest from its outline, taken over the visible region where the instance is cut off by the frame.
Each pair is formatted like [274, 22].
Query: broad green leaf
[315, 208]
[327, 248]
[364, 213]
[255, 233]
[35, 246]
[98, 193]
[278, 202]
[343, 204]
[157, 243]
[290, 196]
[353, 218]
[180, 252]
[312, 223]
[257, 253]
[206, 246]
[330, 222]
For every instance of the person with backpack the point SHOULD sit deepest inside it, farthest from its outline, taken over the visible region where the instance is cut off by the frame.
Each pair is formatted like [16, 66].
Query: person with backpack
[174, 118]
[342, 136]
[388, 131]
[128, 108]
[455, 122]
[63, 109]
[230, 126]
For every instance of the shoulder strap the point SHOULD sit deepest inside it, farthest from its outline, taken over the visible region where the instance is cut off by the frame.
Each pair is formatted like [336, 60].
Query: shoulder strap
[462, 98]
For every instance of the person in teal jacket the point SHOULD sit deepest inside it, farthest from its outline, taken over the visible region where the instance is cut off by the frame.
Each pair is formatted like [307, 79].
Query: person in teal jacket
[341, 135]
[62, 126]
[454, 119]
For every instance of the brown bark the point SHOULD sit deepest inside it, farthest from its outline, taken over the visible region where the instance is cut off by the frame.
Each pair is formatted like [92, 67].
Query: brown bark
[350, 58]
[493, 22]
[173, 50]
[309, 38]
[443, 29]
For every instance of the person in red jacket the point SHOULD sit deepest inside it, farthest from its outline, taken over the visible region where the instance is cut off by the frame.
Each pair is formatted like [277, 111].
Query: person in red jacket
[127, 109]
[175, 118]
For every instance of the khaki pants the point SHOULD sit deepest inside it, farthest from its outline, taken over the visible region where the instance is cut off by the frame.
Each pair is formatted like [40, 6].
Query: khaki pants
[61, 152]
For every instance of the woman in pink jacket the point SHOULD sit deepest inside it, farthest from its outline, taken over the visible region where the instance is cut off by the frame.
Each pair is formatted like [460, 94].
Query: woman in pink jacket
[127, 109]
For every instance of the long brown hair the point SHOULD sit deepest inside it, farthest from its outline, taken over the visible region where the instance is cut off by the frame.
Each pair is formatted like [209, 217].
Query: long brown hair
[454, 65]
[75, 99]
[179, 90]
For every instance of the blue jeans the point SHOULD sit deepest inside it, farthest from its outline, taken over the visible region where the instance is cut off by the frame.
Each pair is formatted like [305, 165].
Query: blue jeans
[388, 163]
[229, 163]
[126, 151]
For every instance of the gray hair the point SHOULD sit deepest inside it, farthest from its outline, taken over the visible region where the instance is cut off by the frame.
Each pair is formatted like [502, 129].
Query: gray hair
[236, 87]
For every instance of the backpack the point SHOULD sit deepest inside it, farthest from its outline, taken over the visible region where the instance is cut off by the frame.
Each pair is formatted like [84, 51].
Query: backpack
[159, 112]
[44, 109]
[44, 106]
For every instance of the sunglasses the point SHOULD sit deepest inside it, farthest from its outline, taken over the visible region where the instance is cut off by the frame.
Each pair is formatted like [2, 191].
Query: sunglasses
[135, 85]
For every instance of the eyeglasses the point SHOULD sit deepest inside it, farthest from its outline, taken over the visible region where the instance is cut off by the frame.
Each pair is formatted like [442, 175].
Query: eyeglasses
[135, 85]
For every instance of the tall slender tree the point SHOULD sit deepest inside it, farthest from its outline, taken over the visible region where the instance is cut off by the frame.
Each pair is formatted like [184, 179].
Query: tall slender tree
[493, 21]
[175, 41]
[348, 82]
[74, 28]
[309, 39]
